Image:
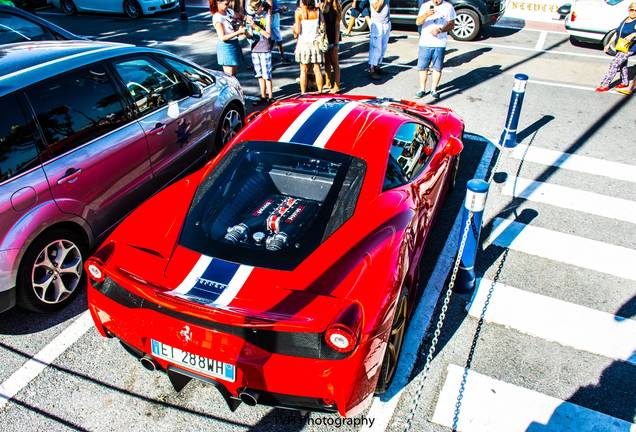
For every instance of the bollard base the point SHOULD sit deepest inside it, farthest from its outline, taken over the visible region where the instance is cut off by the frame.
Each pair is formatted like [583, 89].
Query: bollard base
[465, 281]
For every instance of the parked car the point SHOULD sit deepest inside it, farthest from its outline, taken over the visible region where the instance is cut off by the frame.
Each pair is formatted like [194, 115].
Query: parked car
[473, 16]
[595, 20]
[17, 25]
[294, 253]
[94, 129]
[130, 8]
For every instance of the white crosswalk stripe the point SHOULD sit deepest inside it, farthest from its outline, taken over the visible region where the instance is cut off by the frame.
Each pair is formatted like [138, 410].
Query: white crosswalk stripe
[495, 406]
[566, 248]
[570, 198]
[572, 162]
[565, 323]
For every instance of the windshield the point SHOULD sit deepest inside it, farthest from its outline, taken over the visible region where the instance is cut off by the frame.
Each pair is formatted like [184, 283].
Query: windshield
[271, 204]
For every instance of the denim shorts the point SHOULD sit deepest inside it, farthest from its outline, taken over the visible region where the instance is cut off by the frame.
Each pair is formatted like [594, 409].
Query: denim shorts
[426, 55]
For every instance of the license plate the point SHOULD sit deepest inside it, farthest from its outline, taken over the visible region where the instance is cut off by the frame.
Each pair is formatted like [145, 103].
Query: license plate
[203, 365]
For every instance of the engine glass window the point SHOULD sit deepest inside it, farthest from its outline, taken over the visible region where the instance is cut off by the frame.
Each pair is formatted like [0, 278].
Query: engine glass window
[271, 204]
[151, 85]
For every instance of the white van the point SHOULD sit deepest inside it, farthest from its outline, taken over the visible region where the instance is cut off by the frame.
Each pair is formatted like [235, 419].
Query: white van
[596, 20]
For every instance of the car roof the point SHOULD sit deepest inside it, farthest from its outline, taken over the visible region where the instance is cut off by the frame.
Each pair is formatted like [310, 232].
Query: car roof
[26, 63]
[59, 31]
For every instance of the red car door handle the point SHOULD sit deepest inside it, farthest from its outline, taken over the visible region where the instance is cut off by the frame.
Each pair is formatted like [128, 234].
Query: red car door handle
[158, 129]
[70, 176]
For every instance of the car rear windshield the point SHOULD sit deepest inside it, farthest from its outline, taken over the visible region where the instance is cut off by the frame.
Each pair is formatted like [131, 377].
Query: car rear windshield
[270, 204]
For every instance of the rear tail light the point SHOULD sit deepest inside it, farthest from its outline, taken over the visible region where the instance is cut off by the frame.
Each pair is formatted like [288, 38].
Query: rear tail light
[343, 334]
[95, 269]
[95, 264]
[573, 16]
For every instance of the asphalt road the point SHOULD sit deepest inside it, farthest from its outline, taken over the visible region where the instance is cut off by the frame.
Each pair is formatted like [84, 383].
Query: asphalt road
[95, 385]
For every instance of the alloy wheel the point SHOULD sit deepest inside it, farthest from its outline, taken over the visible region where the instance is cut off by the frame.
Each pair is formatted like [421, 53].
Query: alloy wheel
[464, 26]
[232, 124]
[396, 337]
[57, 271]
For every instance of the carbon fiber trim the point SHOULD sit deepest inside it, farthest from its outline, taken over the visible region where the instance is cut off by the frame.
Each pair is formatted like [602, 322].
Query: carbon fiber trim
[297, 344]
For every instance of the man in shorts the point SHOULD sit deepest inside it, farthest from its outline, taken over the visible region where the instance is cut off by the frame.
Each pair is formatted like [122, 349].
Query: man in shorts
[436, 18]
[359, 8]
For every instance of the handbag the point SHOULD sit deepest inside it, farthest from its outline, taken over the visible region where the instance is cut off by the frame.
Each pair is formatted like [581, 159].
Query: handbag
[622, 44]
[321, 42]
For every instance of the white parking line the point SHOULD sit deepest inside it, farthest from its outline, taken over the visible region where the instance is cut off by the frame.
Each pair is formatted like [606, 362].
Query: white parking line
[47, 355]
[492, 405]
[574, 162]
[382, 408]
[570, 198]
[566, 248]
[541, 41]
[112, 36]
[566, 323]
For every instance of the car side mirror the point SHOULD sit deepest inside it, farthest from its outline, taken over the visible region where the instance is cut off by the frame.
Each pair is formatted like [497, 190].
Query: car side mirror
[453, 147]
[196, 89]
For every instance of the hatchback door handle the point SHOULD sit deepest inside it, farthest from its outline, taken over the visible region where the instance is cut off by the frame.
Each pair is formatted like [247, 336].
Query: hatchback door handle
[158, 129]
[70, 176]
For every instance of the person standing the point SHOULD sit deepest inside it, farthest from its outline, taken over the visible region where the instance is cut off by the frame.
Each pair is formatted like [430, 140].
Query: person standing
[332, 12]
[380, 26]
[627, 31]
[277, 36]
[358, 8]
[437, 18]
[228, 30]
[260, 31]
[306, 23]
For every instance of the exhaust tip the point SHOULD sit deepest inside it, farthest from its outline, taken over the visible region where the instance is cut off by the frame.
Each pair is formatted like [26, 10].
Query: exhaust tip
[248, 397]
[148, 363]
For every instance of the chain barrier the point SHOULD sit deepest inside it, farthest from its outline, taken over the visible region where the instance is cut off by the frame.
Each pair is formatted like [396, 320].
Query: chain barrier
[440, 322]
[421, 378]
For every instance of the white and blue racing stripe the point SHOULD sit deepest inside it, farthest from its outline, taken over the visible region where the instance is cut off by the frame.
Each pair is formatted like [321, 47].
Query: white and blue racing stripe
[213, 281]
[216, 282]
[317, 123]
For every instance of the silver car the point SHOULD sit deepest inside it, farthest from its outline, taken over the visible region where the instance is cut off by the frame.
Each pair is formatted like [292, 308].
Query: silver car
[88, 131]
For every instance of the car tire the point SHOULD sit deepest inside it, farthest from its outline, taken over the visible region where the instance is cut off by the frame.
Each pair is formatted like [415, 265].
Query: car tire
[230, 123]
[68, 7]
[467, 25]
[132, 9]
[360, 24]
[45, 285]
[394, 343]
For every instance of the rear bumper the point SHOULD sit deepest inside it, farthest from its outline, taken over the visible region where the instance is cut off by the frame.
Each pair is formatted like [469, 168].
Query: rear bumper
[344, 385]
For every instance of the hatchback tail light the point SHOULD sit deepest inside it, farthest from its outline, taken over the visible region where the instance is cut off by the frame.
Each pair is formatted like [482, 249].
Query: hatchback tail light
[573, 16]
[343, 334]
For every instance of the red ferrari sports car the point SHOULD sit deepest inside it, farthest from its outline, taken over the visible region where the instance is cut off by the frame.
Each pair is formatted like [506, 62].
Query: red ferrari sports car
[285, 270]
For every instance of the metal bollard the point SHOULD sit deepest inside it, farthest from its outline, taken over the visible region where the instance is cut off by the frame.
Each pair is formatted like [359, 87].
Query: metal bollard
[476, 192]
[509, 135]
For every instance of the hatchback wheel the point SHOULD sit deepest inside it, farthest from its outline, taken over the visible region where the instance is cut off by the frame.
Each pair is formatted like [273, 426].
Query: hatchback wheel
[230, 124]
[51, 271]
[360, 23]
[467, 25]
[132, 9]
[68, 7]
[394, 344]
